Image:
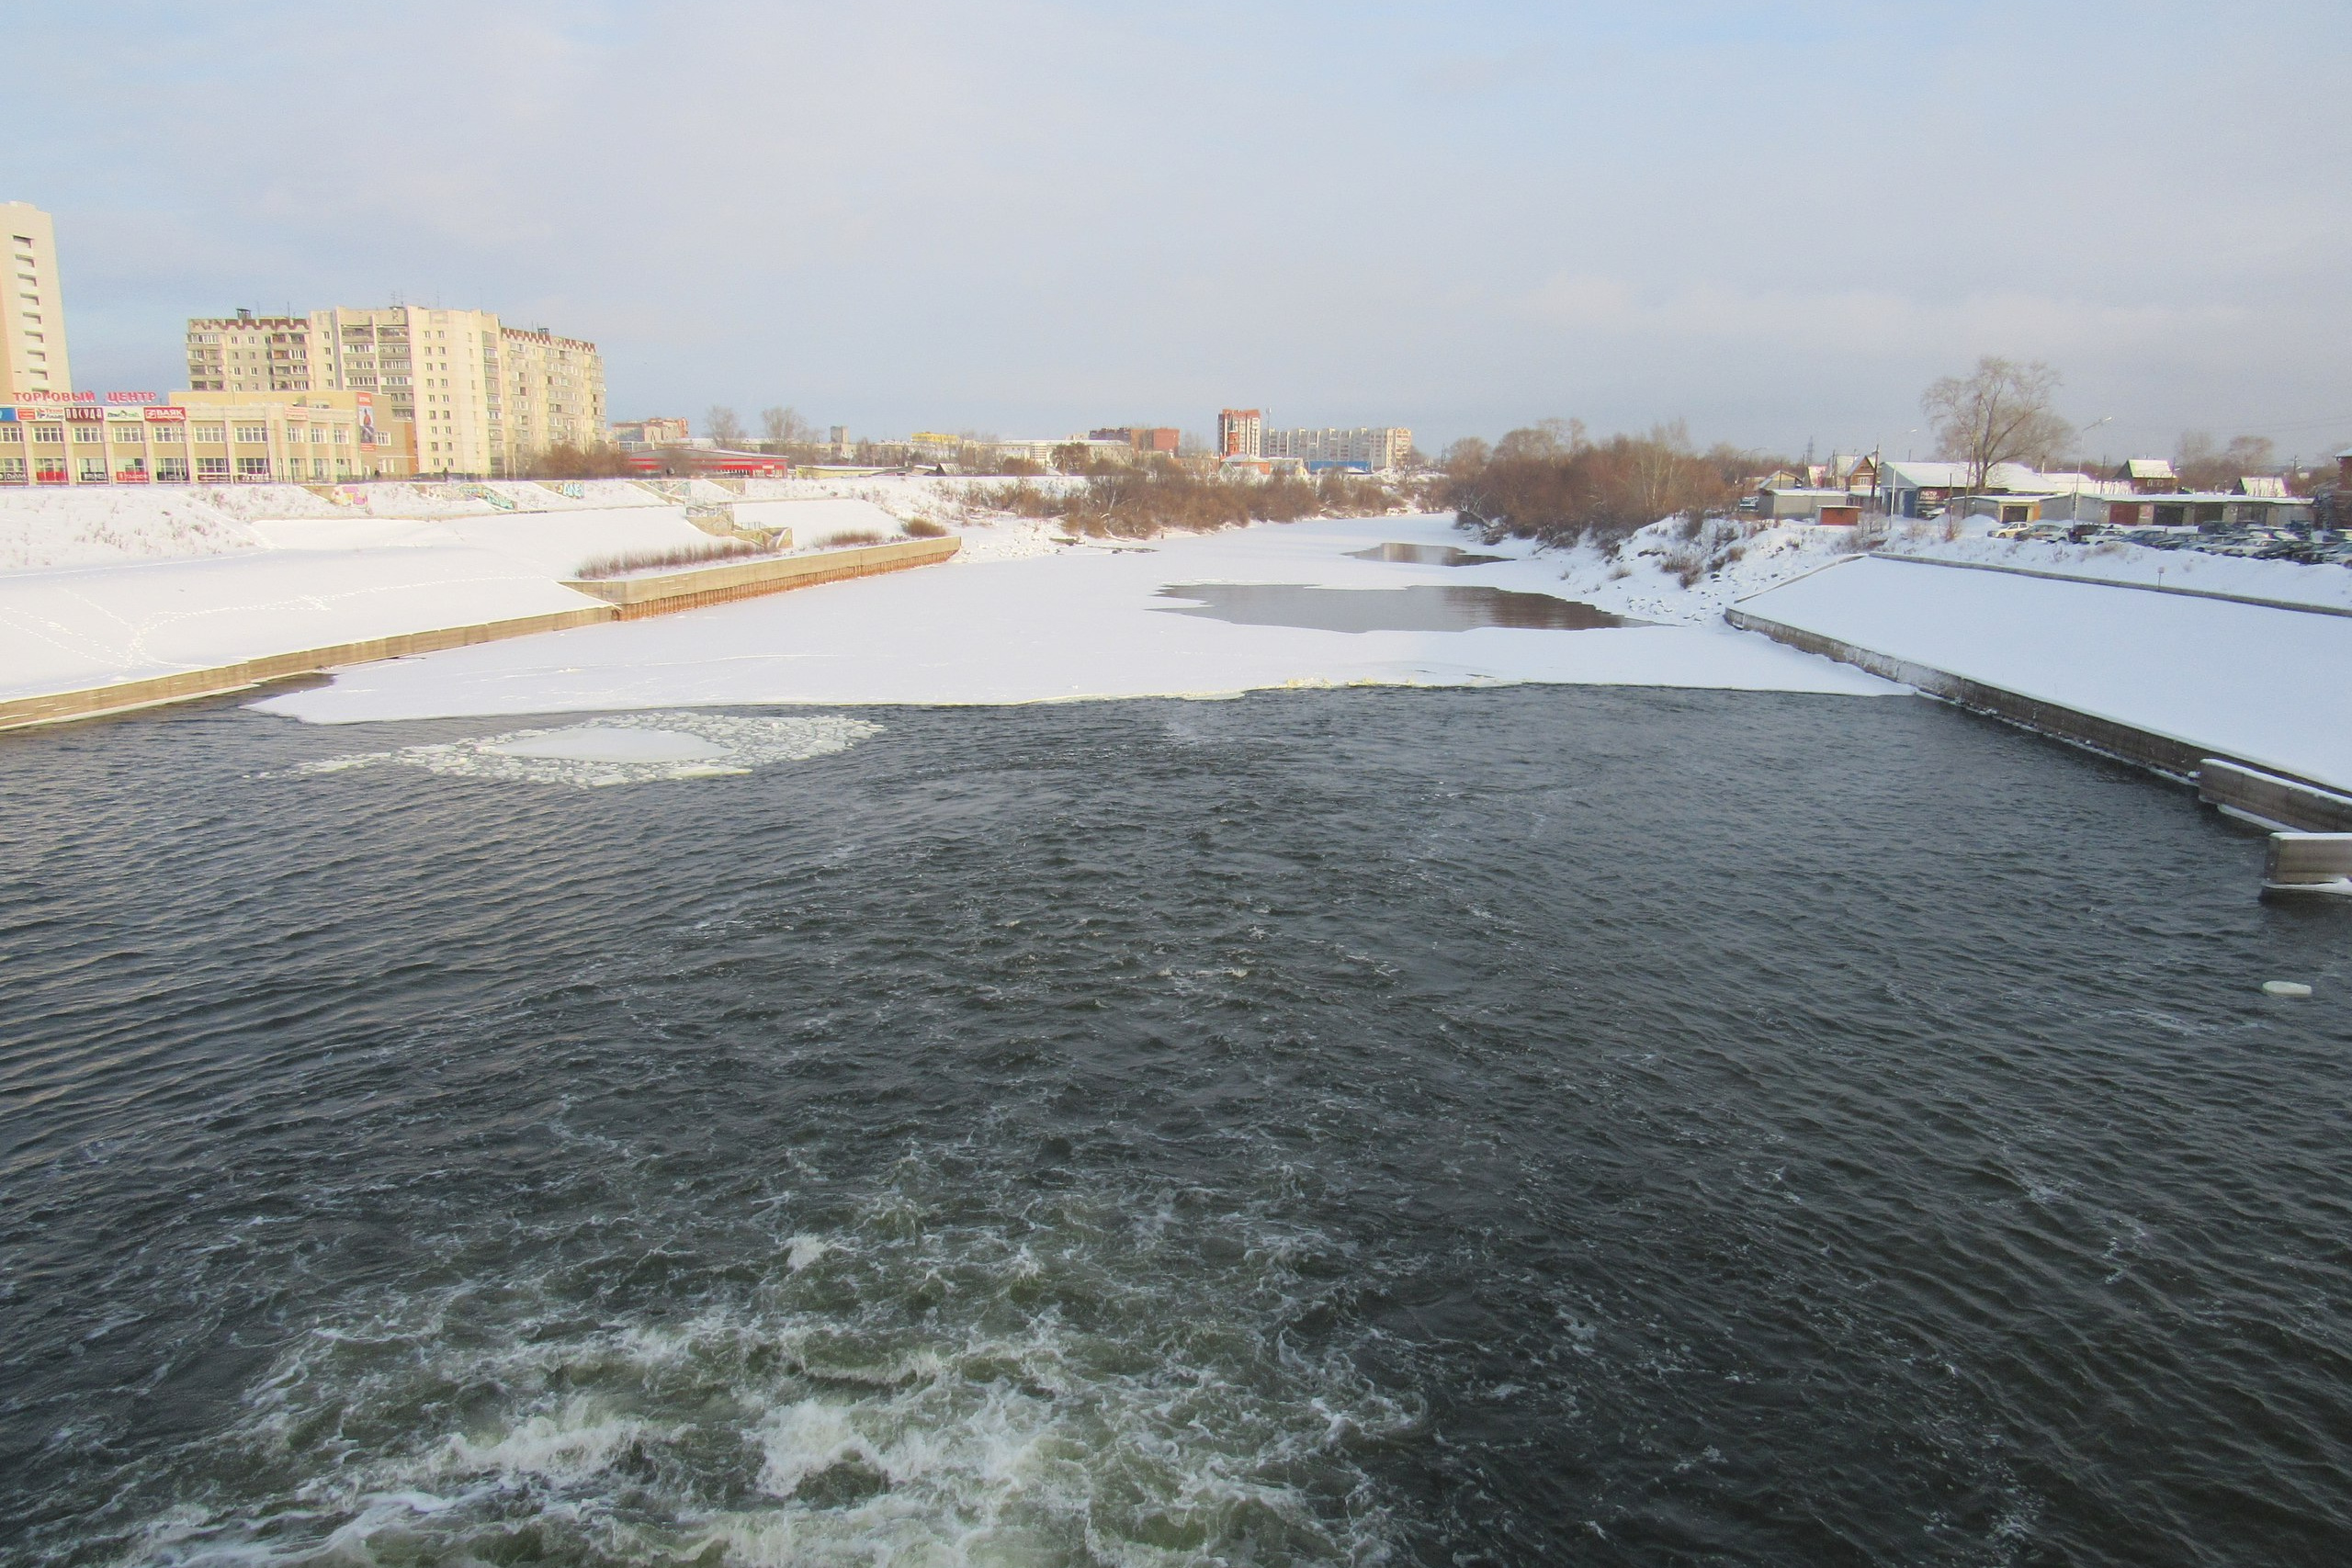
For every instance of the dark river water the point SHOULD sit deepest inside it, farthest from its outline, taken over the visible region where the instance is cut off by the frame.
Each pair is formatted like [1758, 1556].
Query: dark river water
[1524, 1126]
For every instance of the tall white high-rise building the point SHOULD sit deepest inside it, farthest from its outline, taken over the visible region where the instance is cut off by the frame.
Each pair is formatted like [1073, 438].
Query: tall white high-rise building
[32, 309]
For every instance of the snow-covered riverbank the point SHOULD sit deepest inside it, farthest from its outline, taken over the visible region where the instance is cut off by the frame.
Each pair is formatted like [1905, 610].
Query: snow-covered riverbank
[1087, 621]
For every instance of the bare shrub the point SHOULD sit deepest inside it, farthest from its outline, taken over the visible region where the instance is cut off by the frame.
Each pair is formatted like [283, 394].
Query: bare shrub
[1551, 482]
[860, 537]
[680, 557]
[1141, 501]
[580, 463]
[925, 528]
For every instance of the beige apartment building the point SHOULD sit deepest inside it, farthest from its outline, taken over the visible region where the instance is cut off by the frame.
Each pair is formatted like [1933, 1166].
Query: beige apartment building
[32, 312]
[481, 398]
[199, 438]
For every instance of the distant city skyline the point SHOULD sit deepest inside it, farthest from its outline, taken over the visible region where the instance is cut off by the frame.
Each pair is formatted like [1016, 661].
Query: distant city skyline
[1778, 225]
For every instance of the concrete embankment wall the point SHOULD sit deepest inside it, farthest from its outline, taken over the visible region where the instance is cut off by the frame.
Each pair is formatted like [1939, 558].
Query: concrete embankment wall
[625, 599]
[2236, 711]
[2150, 749]
[186, 685]
[633, 597]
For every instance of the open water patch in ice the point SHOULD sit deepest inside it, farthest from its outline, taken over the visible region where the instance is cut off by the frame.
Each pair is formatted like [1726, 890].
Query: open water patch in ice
[644, 748]
[1424, 555]
[1422, 608]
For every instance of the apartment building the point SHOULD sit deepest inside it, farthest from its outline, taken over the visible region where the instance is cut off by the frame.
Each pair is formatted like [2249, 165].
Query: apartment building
[199, 438]
[1239, 432]
[1366, 446]
[32, 312]
[481, 398]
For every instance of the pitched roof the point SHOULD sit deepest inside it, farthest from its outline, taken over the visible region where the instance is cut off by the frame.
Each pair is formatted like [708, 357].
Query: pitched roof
[2150, 468]
[1928, 475]
[2258, 484]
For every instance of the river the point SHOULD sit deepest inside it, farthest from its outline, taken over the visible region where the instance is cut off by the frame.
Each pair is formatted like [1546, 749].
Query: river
[1545, 1124]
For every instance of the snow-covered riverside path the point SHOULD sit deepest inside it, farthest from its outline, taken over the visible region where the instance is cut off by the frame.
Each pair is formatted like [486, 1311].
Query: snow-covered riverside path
[2264, 685]
[1081, 623]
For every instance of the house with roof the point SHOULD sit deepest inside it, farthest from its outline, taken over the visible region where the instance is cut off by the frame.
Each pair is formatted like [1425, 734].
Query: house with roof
[2149, 476]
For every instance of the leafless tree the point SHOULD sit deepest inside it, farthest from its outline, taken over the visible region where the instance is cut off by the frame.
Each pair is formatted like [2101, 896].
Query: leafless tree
[723, 425]
[1998, 413]
[2204, 464]
[784, 427]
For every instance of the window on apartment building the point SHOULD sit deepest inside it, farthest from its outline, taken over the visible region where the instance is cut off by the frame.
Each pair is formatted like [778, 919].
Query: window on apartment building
[253, 468]
[171, 470]
[12, 435]
[88, 434]
[51, 435]
[126, 431]
[341, 436]
[212, 467]
[318, 467]
[253, 434]
[211, 433]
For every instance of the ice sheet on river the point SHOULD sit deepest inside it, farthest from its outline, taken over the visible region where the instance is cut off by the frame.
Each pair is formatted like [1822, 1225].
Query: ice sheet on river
[1084, 624]
[644, 748]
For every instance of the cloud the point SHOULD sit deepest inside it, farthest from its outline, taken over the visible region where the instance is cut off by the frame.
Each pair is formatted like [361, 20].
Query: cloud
[1039, 214]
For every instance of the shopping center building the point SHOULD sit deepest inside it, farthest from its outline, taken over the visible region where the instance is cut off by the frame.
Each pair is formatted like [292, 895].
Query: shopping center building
[199, 438]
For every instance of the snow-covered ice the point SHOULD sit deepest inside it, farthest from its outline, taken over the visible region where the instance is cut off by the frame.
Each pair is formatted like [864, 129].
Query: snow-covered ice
[2263, 684]
[603, 743]
[1081, 623]
[649, 748]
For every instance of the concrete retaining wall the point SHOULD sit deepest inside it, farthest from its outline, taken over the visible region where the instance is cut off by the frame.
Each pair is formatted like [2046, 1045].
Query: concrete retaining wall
[658, 594]
[625, 599]
[124, 696]
[2166, 754]
[2111, 583]
[2273, 799]
[2274, 796]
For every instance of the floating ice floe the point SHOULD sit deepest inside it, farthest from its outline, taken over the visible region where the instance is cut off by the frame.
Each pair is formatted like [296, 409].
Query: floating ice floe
[643, 747]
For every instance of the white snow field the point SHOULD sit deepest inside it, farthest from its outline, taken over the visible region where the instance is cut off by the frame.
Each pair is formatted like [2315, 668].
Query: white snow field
[2267, 685]
[2113, 560]
[109, 525]
[314, 582]
[1084, 622]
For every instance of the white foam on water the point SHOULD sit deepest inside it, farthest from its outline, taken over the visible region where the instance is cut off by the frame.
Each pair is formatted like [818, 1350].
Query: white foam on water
[821, 1419]
[644, 748]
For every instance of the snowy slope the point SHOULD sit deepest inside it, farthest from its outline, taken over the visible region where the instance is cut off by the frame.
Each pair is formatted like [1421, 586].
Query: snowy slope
[2112, 560]
[90, 527]
[2268, 685]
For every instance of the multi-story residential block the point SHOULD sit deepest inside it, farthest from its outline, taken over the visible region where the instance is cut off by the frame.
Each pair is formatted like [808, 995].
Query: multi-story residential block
[1239, 432]
[200, 438]
[483, 398]
[555, 393]
[32, 311]
[1366, 446]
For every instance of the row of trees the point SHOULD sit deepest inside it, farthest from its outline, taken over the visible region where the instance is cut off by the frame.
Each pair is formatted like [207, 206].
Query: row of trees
[1165, 493]
[779, 428]
[1551, 481]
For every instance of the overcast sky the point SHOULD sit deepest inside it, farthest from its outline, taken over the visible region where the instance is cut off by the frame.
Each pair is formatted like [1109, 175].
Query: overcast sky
[1776, 221]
